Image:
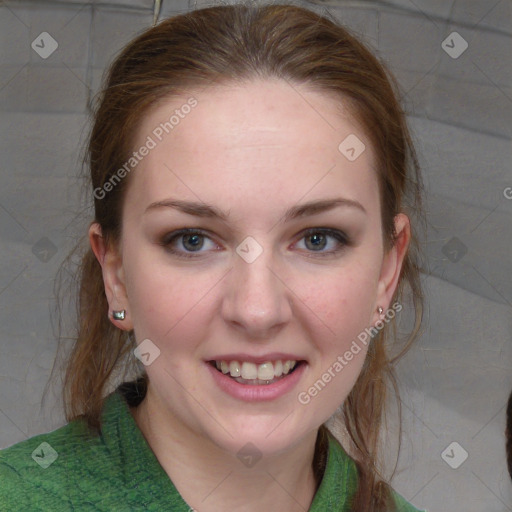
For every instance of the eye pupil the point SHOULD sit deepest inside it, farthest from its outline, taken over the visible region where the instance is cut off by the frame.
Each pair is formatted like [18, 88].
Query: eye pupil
[195, 240]
[319, 240]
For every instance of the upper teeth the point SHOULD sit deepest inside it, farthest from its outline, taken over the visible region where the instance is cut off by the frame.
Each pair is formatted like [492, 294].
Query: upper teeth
[265, 371]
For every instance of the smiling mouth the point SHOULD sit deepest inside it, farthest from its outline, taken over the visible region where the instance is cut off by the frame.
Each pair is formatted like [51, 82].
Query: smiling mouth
[256, 375]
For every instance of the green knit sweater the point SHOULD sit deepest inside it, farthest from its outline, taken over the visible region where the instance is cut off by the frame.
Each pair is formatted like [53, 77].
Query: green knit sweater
[68, 470]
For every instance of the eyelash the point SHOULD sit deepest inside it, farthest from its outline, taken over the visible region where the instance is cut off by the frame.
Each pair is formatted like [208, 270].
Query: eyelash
[341, 237]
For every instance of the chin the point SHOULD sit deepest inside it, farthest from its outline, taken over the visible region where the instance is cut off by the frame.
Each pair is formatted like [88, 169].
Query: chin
[269, 437]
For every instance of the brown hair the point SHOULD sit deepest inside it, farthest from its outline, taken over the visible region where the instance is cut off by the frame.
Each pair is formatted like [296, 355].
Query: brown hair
[225, 44]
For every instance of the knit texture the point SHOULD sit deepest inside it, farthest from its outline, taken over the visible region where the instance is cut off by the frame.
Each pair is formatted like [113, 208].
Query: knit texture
[117, 471]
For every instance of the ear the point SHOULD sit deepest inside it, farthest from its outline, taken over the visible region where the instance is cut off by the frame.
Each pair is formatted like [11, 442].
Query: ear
[392, 264]
[113, 276]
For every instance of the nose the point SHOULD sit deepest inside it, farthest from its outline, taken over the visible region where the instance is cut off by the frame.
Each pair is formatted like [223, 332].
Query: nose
[257, 301]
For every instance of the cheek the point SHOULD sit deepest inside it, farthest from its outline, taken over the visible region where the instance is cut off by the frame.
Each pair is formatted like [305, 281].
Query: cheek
[342, 300]
[167, 303]
[343, 303]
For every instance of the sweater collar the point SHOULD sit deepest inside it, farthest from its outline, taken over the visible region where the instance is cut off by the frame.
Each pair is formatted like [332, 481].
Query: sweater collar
[144, 474]
[338, 482]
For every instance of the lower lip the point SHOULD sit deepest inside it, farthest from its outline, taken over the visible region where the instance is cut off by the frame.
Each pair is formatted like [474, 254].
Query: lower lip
[255, 392]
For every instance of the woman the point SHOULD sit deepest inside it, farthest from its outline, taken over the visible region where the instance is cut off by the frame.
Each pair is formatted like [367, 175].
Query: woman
[254, 183]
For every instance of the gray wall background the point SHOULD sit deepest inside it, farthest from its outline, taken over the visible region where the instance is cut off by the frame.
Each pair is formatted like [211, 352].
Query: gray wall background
[456, 380]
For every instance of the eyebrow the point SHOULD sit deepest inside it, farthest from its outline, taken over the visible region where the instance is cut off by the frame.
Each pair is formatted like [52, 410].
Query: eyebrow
[302, 210]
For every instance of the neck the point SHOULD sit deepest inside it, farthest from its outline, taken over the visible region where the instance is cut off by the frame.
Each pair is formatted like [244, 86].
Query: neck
[212, 480]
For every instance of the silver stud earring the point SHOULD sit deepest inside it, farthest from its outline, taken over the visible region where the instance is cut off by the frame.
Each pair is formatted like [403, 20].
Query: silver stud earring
[380, 310]
[119, 315]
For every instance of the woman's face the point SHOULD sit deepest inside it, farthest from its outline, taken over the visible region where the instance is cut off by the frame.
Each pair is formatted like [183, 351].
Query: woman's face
[260, 278]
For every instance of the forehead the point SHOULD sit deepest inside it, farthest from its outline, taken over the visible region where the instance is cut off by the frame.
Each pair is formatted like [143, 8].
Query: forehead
[265, 139]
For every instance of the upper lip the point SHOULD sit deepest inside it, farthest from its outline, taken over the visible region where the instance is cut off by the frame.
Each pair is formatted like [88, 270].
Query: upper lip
[274, 356]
